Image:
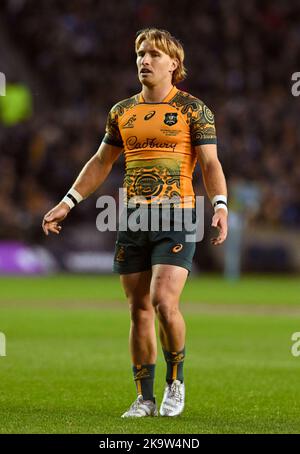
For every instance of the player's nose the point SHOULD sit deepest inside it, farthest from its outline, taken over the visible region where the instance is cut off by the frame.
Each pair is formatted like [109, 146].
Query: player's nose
[145, 60]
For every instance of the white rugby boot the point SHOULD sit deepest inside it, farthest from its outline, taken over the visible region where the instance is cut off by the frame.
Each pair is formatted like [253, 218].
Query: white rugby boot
[173, 400]
[141, 408]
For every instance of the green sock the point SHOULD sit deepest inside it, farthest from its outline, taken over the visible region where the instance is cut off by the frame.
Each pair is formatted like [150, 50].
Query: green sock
[144, 379]
[174, 362]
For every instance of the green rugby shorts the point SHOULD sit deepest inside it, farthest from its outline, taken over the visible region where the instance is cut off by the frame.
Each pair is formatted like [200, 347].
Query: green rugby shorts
[137, 251]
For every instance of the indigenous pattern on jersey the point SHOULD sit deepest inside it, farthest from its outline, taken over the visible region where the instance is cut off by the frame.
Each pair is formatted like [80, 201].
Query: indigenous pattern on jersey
[158, 141]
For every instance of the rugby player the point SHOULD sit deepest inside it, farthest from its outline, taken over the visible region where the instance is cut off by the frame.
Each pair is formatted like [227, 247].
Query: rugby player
[163, 132]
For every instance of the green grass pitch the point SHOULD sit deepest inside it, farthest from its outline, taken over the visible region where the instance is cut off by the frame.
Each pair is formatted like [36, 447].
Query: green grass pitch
[68, 370]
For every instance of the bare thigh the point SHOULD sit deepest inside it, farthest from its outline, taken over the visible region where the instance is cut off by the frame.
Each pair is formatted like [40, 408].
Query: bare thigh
[167, 284]
[137, 289]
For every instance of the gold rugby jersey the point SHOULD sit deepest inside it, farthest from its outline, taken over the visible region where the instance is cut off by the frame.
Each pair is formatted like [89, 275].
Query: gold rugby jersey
[158, 141]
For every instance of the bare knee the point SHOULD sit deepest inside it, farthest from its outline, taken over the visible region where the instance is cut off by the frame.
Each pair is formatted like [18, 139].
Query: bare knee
[165, 308]
[141, 315]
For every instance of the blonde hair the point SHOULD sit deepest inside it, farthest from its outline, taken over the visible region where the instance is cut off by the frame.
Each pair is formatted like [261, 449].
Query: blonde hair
[164, 41]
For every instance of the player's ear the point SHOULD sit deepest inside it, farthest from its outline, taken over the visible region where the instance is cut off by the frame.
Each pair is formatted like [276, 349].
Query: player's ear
[174, 65]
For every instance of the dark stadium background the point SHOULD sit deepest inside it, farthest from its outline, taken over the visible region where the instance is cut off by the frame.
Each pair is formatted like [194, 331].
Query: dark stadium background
[76, 59]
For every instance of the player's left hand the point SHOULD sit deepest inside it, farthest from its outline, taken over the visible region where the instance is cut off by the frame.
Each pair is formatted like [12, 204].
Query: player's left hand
[219, 221]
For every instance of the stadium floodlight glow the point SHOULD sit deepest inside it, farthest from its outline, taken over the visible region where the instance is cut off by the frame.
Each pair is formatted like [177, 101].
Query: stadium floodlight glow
[2, 344]
[2, 84]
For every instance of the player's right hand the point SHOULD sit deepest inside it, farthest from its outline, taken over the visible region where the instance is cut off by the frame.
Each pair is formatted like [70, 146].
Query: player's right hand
[53, 217]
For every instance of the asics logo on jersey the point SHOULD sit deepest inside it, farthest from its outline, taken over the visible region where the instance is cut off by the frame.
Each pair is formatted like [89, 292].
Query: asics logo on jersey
[149, 115]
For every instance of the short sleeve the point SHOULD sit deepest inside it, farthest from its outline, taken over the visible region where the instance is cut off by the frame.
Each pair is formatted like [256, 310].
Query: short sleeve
[112, 132]
[202, 125]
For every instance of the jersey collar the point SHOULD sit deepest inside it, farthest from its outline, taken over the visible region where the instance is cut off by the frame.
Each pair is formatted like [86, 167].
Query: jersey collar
[169, 96]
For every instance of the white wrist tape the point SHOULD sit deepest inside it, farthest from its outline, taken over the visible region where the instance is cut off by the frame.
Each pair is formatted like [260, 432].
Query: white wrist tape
[72, 198]
[219, 201]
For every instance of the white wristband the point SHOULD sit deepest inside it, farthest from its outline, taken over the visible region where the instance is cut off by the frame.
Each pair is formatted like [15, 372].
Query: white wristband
[219, 201]
[72, 198]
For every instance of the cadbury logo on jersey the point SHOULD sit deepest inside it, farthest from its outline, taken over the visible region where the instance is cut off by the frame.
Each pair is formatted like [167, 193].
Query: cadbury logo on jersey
[170, 119]
[132, 142]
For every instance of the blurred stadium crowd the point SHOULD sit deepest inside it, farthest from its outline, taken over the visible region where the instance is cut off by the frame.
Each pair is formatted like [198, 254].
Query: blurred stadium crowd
[240, 57]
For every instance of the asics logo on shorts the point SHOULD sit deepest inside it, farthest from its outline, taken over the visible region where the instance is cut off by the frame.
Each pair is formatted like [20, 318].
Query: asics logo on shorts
[177, 248]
